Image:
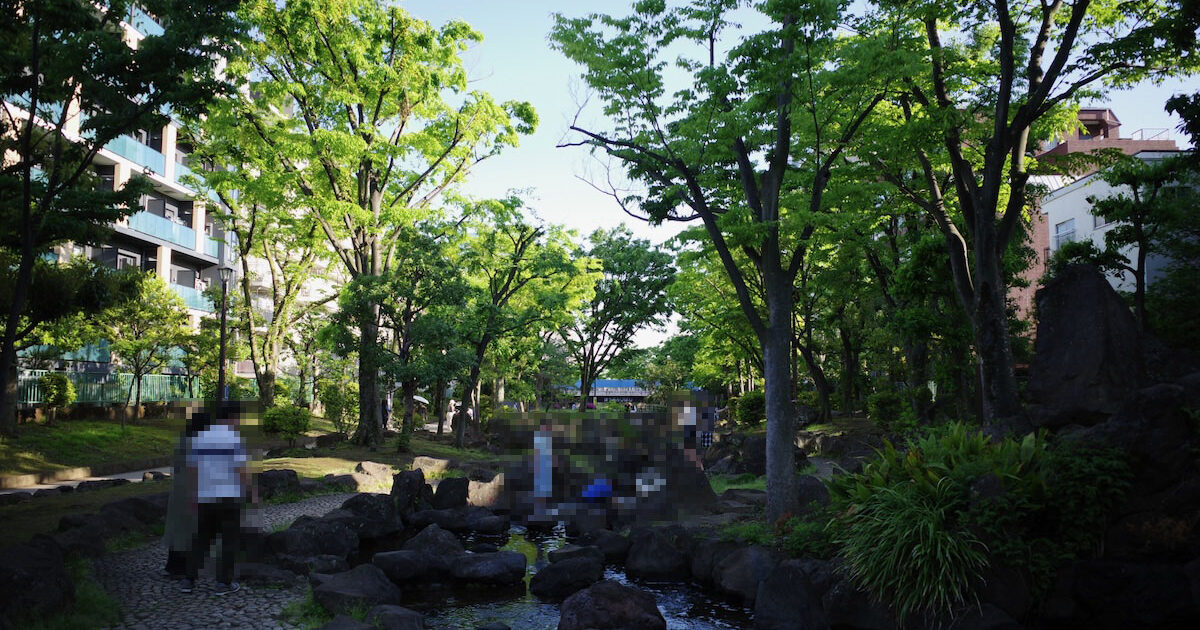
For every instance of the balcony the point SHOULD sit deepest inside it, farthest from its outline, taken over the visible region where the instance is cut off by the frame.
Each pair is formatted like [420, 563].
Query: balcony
[138, 153]
[48, 112]
[193, 298]
[165, 229]
[212, 247]
[182, 171]
[143, 23]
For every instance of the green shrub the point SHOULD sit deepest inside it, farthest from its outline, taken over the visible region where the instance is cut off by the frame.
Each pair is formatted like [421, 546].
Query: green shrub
[807, 537]
[341, 405]
[753, 532]
[751, 408]
[918, 527]
[885, 406]
[289, 420]
[57, 390]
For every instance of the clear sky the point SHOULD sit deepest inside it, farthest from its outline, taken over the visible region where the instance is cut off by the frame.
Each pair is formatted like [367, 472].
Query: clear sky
[515, 61]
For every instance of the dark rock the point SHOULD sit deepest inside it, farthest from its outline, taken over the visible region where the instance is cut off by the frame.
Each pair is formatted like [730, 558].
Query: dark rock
[495, 625]
[441, 546]
[848, 607]
[278, 481]
[614, 546]
[1128, 595]
[560, 579]
[788, 600]
[87, 540]
[378, 513]
[1007, 589]
[451, 493]
[144, 510]
[452, 519]
[155, 475]
[985, 617]
[12, 498]
[706, 557]
[71, 521]
[342, 622]
[610, 606]
[406, 490]
[501, 568]
[315, 538]
[363, 586]
[754, 456]
[313, 564]
[653, 557]
[726, 465]
[34, 580]
[391, 617]
[481, 474]
[117, 521]
[1087, 356]
[403, 565]
[341, 483]
[575, 551]
[257, 573]
[310, 486]
[740, 571]
[47, 492]
[84, 486]
[811, 493]
[484, 548]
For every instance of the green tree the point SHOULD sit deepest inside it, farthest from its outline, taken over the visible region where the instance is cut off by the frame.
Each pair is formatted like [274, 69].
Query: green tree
[748, 145]
[630, 295]
[70, 67]
[144, 331]
[523, 276]
[379, 125]
[986, 81]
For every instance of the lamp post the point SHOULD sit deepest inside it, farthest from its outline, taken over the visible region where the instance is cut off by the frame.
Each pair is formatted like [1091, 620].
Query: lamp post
[225, 272]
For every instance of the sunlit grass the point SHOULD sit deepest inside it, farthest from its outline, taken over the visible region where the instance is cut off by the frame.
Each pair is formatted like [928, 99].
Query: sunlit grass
[75, 443]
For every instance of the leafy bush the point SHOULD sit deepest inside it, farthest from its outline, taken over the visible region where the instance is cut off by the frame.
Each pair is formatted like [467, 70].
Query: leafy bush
[753, 532]
[289, 420]
[884, 407]
[796, 536]
[57, 389]
[751, 408]
[341, 405]
[918, 527]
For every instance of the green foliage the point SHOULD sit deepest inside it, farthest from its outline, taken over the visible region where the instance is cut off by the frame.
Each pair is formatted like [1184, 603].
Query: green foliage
[289, 420]
[340, 401]
[752, 532]
[751, 408]
[143, 331]
[797, 537]
[306, 612]
[57, 389]
[744, 481]
[919, 527]
[893, 410]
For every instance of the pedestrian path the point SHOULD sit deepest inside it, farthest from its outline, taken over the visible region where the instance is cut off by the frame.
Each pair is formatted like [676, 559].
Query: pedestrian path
[150, 601]
[133, 475]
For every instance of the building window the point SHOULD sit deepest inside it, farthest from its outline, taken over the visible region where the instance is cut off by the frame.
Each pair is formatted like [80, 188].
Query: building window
[107, 175]
[128, 260]
[1064, 233]
[1099, 221]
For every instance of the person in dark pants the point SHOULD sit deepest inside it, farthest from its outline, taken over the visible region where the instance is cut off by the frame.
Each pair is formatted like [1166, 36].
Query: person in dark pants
[181, 521]
[216, 462]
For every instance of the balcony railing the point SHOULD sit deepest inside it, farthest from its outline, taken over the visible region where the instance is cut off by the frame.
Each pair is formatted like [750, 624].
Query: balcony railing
[166, 229]
[193, 298]
[144, 24]
[212, 247]
[182, 171]
[137, 152]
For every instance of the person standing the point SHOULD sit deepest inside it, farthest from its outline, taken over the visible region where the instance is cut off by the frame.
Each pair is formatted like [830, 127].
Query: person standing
[216, 460]
[180, 526]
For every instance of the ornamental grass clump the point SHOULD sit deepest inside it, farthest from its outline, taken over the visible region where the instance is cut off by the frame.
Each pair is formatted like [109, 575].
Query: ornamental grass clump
[919, 528]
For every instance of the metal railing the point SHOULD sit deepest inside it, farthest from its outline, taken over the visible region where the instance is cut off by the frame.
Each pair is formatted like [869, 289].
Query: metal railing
[193, 298]
[109, 387]
[161, 227]
[138, 153]
[144, 24]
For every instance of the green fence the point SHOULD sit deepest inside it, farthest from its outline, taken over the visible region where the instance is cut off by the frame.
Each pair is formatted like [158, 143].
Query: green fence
[108, 387]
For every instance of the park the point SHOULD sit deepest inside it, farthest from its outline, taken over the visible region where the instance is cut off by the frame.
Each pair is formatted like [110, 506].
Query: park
[638, 315]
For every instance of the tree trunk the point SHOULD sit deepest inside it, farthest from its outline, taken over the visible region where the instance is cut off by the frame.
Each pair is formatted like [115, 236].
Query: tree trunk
[408, 389]
[498, 393]
[8, 346]
[849, 368]
[266, 387]
[998, 380]
[1139, 291]
[438, 404]
[137, 399]
[369, 431]
[8, 390]
[777, 349]
[585, 386]
[469, 399]
[819, 381]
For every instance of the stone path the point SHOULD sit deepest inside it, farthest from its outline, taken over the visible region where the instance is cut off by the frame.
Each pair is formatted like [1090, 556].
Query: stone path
[150, 601]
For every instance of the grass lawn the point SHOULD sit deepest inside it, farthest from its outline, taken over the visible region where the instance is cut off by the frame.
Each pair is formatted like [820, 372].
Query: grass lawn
[721, 483]
[41, 515]
[68, 444]
[341, 459]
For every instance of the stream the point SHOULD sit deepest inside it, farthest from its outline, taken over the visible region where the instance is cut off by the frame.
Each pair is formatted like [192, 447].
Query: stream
[684, 606]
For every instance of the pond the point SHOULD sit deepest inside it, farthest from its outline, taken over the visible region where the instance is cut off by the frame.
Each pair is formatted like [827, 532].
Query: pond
[684, 606]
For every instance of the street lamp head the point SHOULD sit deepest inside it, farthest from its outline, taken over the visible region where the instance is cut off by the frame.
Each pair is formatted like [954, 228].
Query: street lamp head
[226, 273]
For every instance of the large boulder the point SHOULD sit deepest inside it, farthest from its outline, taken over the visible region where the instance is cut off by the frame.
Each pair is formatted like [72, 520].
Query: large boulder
[34, 580]
[451, 493]
[614, 546]
[985, 617]
[1113, 595]
[847, 606]
[1088, 355]
[489, 494]
[372, 477]
[740, 572]
[363, 586]
[404, 565]
[575, 551]
[408, 490]
[610, 606]
[307, 538]
[377, 513]
[141, 508]
[707, 555]
[652, 556]
[391, 617]
[811, 493]
[441, 546]
[560, 579]
[279, 481]
[451, 519]
[345, 622]
[261, 574]
[431, 466]
[503, 568]
[787, 599]
[321, 564]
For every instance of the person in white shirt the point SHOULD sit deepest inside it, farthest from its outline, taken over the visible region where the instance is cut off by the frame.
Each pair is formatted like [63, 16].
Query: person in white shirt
[216, 460]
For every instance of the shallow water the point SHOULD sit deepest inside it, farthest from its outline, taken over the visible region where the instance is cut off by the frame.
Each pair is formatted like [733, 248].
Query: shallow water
[684, 606]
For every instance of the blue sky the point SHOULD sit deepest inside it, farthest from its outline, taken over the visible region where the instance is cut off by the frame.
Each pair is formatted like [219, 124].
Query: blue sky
[515, 61]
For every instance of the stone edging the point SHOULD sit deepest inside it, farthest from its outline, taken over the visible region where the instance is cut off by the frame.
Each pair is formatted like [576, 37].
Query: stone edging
[15, 482]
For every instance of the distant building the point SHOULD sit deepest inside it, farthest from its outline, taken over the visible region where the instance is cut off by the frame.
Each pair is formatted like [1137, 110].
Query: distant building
[611, 390]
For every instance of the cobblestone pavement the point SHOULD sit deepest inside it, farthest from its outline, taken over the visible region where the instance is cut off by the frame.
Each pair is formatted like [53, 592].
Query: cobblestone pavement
[150, 601]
